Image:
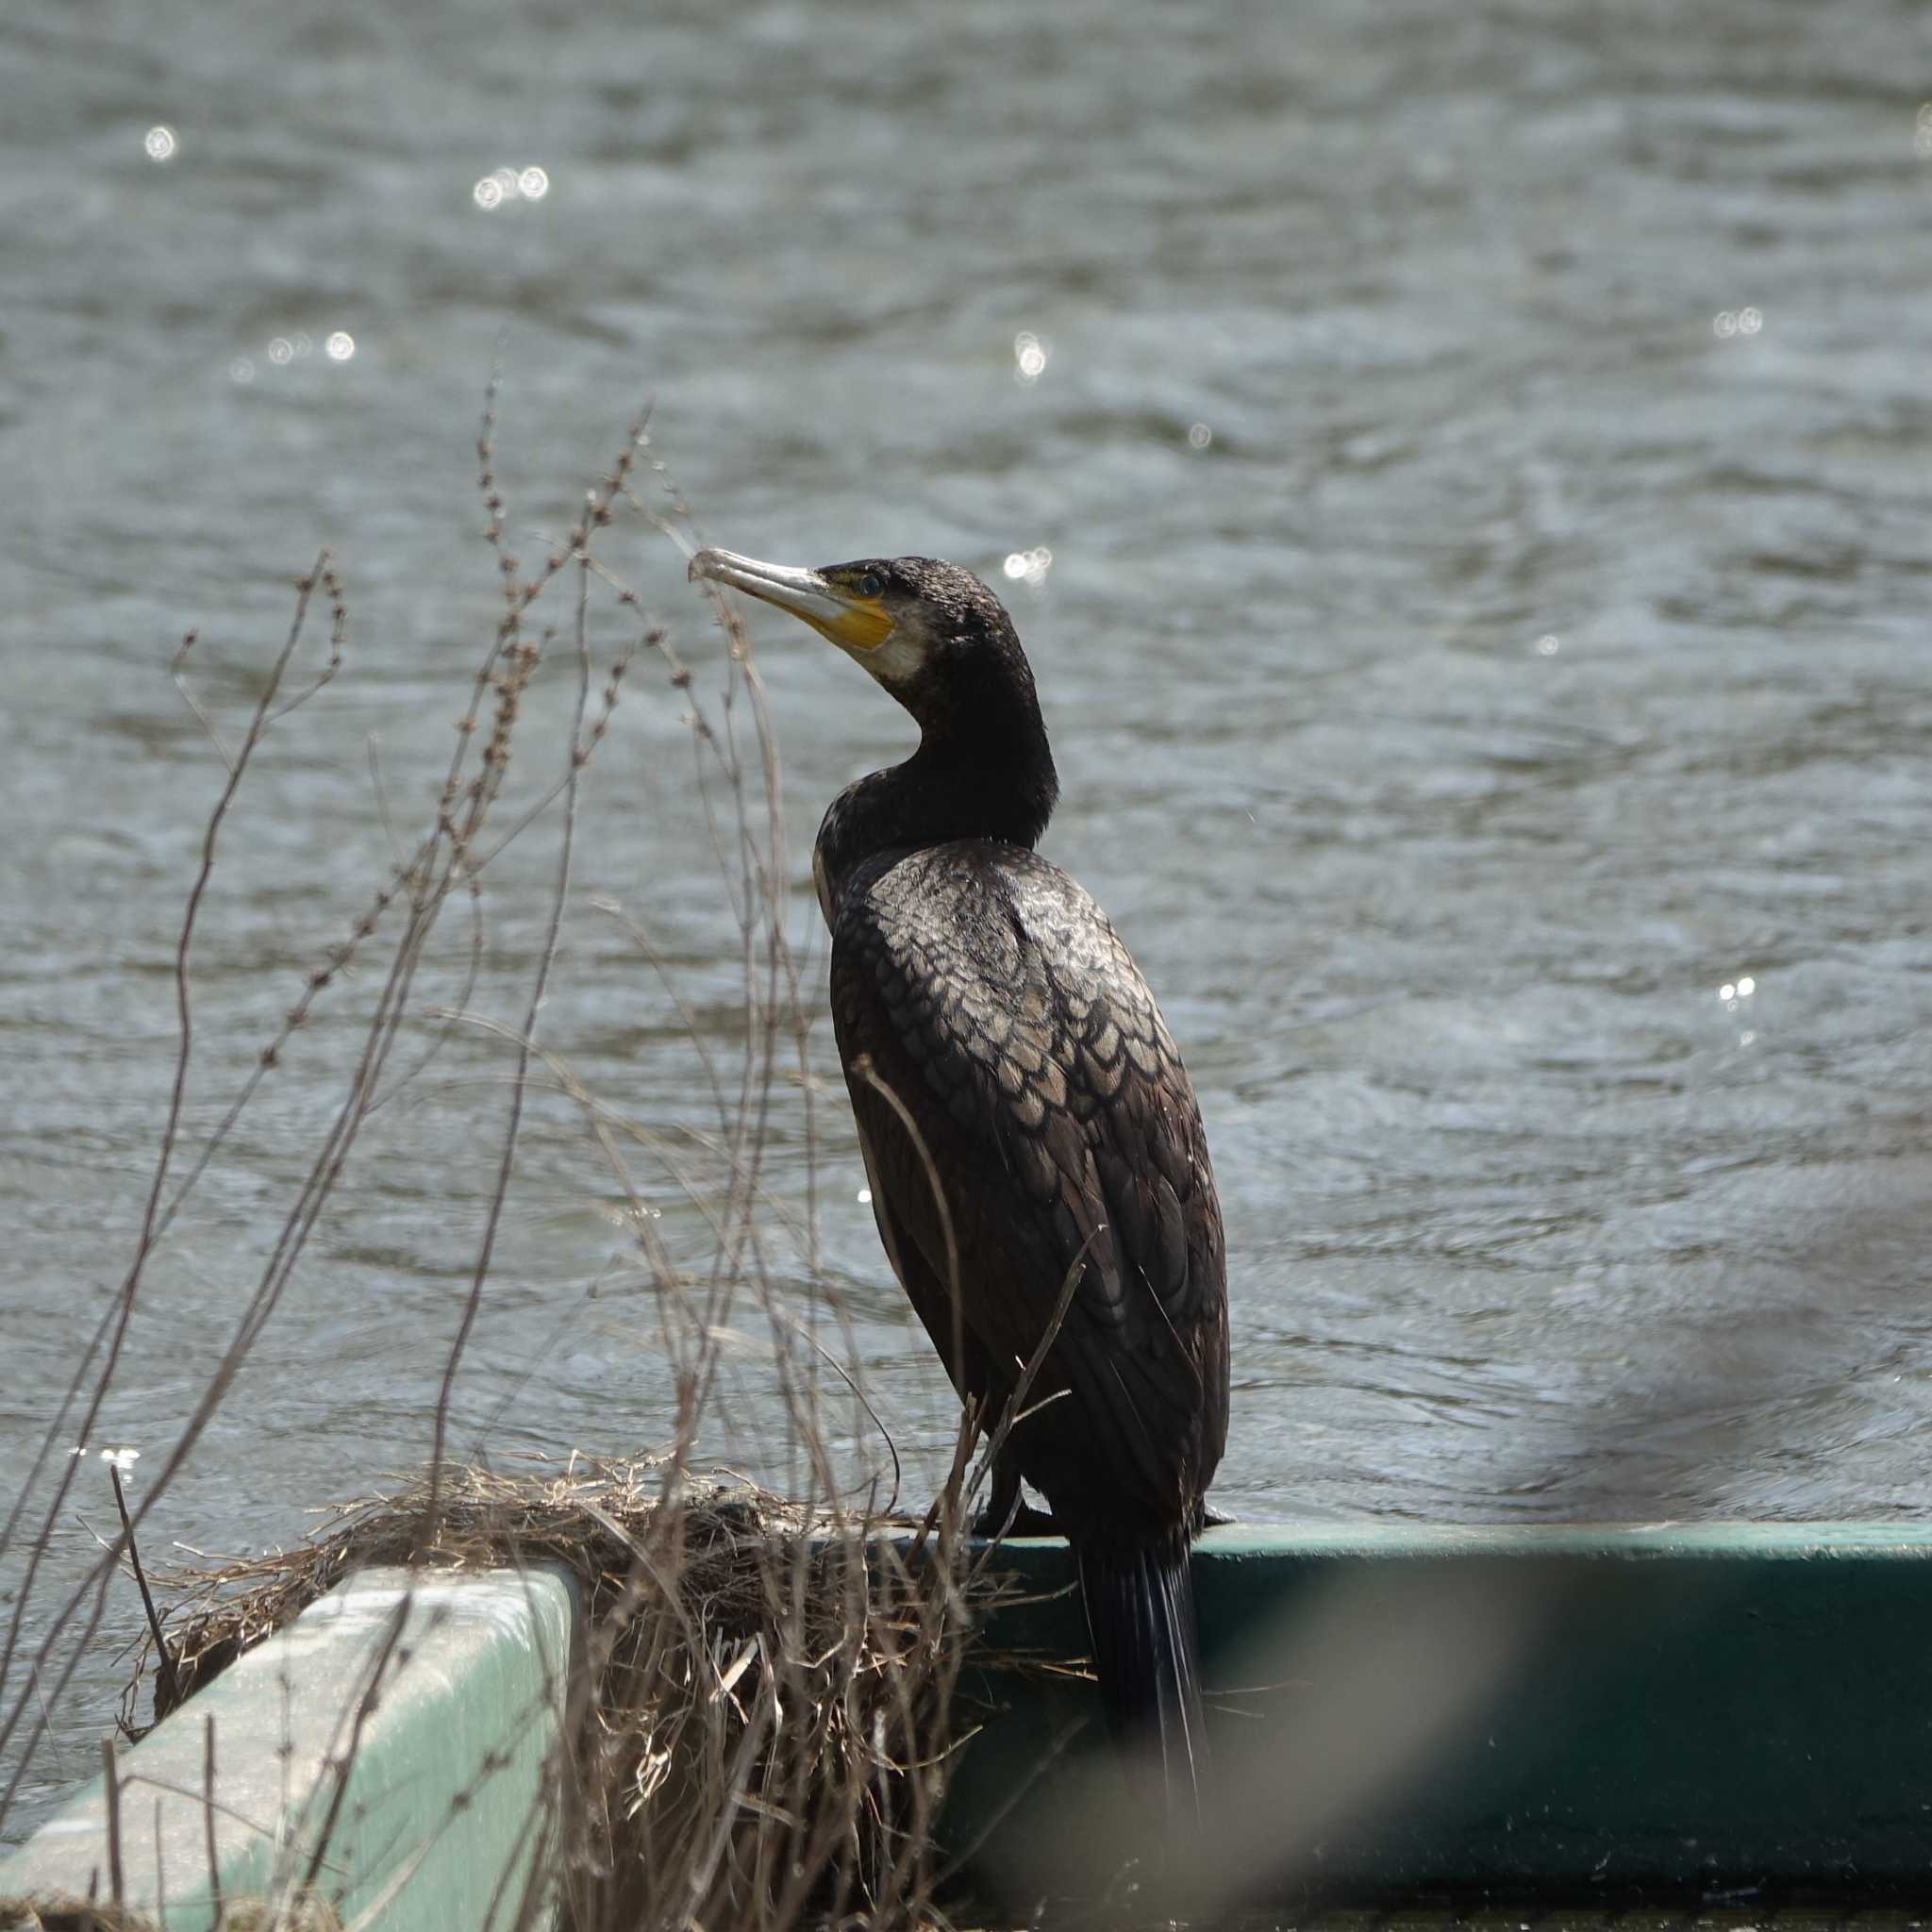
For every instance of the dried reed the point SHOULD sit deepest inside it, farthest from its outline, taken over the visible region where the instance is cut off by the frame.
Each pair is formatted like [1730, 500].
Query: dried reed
[760, 1717]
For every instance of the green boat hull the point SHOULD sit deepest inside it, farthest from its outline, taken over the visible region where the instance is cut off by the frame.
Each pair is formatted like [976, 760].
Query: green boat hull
[1394, 1708]
[1579, 1714]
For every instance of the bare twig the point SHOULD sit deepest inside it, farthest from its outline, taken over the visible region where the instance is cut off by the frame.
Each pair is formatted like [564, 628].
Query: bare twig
[760, 1727]
[110, 1785]
[578, 753]
[344, 1761]
[116, 1331]
[207, 1814]
[163, 1663]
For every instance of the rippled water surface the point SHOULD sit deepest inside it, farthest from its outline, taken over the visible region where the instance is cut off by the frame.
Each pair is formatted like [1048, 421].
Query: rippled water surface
[1468, 477]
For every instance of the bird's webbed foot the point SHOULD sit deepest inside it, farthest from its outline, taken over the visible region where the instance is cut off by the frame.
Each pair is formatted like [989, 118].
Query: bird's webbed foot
[1006, 1514]
[1022, 1520]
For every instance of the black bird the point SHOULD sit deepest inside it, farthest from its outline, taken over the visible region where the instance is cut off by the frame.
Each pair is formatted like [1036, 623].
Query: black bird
[988, 994]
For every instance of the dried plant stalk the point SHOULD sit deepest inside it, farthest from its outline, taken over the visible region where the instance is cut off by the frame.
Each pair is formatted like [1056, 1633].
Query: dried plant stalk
[760, 1720]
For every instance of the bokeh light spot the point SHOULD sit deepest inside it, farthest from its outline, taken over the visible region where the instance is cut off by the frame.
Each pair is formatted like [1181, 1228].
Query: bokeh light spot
[1199, 436]
[161, 143]
[340, 346]
[502, 186]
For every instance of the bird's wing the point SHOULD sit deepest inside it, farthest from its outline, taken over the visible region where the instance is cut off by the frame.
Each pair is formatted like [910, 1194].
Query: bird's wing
[993, 999]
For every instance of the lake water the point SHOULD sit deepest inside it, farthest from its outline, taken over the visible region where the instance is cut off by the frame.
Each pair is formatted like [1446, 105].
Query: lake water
[1467, 479]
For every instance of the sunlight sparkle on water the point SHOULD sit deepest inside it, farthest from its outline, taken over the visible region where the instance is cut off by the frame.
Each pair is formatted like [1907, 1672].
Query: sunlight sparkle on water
[865, 1197]
[502, 186]
[340, 346]
[161, 143]
[1199, 436]
[1733, 991]
[1548, 644]
[1727, 323]
[1029, 566]
[1029, 356]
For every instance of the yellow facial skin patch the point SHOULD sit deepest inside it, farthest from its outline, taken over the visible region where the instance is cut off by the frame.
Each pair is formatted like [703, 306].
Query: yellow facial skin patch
[857, 624]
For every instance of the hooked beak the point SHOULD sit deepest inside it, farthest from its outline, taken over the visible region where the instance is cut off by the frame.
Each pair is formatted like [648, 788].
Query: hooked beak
[854, 624]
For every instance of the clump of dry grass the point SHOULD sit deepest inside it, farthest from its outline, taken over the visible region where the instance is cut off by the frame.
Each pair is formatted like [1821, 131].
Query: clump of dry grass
[761, 1713]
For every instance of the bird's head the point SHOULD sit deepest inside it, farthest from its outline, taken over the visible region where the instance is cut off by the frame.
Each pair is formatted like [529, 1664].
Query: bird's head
[932, 634]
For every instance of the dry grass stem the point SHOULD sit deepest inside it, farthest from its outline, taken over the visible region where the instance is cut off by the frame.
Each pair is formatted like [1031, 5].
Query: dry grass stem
[759, 1708]
[760, 1716]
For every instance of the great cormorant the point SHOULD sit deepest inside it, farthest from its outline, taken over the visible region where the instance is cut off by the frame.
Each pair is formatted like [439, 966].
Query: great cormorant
[991, 998]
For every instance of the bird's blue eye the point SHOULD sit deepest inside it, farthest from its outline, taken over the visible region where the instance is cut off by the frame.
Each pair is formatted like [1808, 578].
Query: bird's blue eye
[870, 584]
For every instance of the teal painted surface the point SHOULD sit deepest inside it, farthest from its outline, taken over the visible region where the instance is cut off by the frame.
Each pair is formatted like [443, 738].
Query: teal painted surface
[1396, 1706]
[1574, 1710]
[443, 1807]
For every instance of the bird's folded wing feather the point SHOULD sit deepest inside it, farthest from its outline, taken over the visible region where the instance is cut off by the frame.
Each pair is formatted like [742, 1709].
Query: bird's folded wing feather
[996, 1001]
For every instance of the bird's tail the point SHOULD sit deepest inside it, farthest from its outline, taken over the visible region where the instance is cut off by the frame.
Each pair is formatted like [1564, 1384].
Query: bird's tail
[1140, 1618]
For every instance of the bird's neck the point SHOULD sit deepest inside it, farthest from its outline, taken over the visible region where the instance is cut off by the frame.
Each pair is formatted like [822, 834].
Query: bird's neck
[997, 784]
